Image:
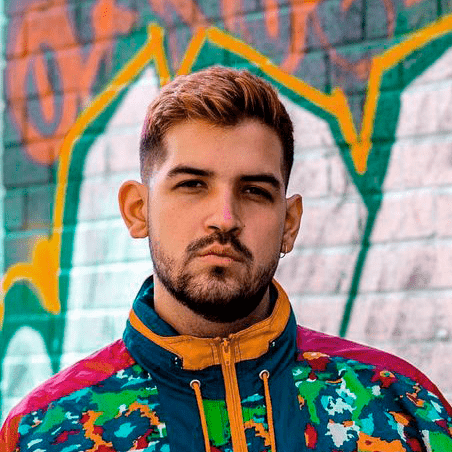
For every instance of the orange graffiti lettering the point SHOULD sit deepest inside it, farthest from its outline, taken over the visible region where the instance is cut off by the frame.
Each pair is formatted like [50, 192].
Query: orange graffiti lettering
[271, 18]
[190, 14]
[54, 51]
[233, 17]
[301, 11]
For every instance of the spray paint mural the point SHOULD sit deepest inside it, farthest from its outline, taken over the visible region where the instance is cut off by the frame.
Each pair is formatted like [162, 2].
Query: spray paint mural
[368, 86]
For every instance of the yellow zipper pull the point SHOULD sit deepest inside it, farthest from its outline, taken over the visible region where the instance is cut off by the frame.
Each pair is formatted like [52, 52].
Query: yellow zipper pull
[226, 349]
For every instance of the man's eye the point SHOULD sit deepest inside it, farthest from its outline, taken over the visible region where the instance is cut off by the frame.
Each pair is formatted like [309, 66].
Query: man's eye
[192, 183]
[258, 192]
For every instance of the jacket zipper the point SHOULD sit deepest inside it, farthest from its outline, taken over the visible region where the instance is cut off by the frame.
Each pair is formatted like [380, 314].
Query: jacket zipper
[233, 401]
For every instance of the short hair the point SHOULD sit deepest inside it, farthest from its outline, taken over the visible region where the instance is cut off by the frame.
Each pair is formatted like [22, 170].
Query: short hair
[218, 95]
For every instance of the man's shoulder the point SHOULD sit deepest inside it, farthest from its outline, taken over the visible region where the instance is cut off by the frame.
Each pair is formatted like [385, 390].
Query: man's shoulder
[311, 344]
[85, 373]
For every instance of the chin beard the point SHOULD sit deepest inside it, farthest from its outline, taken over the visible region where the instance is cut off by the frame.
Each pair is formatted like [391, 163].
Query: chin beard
[216, 295]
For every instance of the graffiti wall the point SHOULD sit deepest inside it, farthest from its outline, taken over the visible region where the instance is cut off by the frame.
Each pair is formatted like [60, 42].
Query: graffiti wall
[369, 87]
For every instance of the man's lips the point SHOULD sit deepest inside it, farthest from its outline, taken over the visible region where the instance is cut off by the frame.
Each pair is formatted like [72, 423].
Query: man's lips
[221, 252]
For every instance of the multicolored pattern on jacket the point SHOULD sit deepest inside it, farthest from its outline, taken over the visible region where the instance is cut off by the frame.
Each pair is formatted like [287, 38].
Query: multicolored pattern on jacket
[122, 414]
[346, 405]
[351, 406]
[254, 419]
[117, 414]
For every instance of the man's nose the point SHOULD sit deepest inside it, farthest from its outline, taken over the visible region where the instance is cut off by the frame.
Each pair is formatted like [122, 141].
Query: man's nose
[225, 213]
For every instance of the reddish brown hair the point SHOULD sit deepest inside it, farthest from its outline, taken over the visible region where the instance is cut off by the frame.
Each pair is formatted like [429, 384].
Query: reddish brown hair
[221, 96]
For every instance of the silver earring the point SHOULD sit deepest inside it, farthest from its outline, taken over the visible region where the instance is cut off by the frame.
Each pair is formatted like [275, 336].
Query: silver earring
[283, 251]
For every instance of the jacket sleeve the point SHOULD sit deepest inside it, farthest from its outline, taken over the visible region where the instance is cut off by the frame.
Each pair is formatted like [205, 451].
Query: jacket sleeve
[9, 435]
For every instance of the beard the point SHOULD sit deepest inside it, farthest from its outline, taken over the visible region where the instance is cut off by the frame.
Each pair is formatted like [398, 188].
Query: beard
[217, 293]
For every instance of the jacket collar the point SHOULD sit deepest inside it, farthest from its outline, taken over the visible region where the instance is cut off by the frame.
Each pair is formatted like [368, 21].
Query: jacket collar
[199, 353]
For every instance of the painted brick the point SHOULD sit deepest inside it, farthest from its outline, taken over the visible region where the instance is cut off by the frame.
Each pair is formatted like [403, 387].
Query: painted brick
[319, 313]
[211, 9]
[427, 164]
[394, 317]
[335, 222]
[399, 267]
[99, 198]
[340, 180]
[123, 152]
[444, 214]
[67, 58]
[443, 269]
[101, 329]
[48, 25]
[446, 6]
[270, 39]
[309, 130]
[106, 243]
[387, 114]
[405, 216]
[416, 17]
[39, 206]
[83, 20]
[394, 174]
[417, 268]
[26, 362]
[132, 110]
[13, 124]
[16, 38]
[325, 271]
[440, 70]
[107, 286]
[51, 115]
[14, 208]
[12, 85]
[20, 170]
[310, 177]
[425, 110]
[19, 246]
[341, 24]
[441, 367]
[96, 161]
[378, 22]
[121, 282]
[314, 69]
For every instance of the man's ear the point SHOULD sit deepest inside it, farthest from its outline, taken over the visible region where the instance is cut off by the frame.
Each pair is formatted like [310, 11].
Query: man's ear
[133, 202]
[294, 211]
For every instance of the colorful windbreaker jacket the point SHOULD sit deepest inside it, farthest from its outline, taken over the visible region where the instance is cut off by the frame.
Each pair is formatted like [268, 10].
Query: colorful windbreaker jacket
[271, 387]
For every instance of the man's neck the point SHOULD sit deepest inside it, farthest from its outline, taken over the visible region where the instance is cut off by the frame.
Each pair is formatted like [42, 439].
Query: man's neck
[185, 321]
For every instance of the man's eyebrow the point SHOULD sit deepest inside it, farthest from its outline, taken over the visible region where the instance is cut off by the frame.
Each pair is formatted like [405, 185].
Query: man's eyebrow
[265, 177]
[190, 170]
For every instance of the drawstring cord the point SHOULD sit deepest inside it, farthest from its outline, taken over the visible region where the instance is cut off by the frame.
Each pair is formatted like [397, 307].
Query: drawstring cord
[196, 386]
[264, 376]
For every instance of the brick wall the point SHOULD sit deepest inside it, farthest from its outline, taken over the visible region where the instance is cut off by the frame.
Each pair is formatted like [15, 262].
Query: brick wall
[369, 88]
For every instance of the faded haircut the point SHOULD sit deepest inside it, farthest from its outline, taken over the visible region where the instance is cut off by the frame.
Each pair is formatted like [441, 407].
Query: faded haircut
[220, 96]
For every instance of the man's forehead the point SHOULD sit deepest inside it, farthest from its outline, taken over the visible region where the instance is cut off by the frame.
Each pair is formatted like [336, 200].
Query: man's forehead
[249, 148]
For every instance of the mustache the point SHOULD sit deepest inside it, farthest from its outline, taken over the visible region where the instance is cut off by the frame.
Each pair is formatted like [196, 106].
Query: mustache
[223, 238]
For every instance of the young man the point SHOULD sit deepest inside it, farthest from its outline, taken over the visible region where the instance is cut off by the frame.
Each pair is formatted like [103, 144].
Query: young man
[211, 358]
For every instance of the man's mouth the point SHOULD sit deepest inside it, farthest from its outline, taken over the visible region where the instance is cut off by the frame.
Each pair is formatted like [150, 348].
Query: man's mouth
[218, 252]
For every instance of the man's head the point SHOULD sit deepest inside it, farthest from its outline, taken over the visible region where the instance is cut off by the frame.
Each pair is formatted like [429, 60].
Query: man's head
[221, 96]
[213, 201]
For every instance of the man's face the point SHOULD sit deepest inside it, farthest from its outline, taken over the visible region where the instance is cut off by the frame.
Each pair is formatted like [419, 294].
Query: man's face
[216, 216]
